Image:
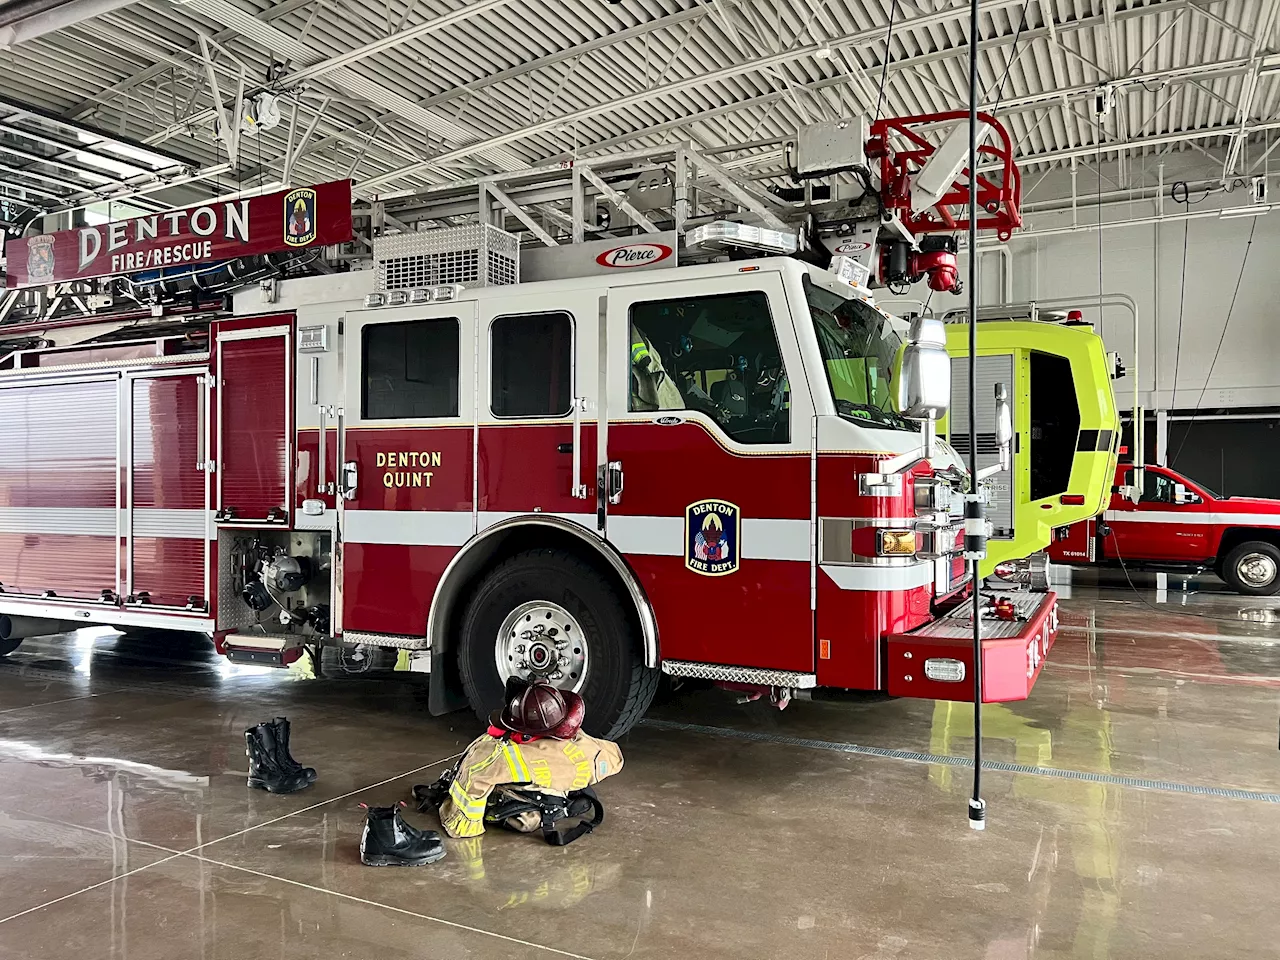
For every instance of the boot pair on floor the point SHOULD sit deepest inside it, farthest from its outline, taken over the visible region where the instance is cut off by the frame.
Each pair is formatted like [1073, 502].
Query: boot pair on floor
[271, 765]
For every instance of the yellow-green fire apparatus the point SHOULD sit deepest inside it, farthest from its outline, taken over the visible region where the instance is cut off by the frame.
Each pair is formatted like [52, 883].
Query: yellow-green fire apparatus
[1066, 426]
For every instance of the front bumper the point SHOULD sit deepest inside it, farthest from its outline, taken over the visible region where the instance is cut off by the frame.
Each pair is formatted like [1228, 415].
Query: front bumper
[1013, 651]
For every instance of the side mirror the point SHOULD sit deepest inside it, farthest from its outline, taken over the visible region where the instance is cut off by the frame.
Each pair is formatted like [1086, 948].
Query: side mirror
[924, 385]
[1181, 495]
[1004, 434]
[1004, 426]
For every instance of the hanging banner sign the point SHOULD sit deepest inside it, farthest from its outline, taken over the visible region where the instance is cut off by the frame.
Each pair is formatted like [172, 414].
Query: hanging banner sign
[287, 220]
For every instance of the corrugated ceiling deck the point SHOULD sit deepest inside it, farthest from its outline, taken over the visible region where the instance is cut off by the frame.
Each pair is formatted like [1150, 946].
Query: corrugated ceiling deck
[546, 77]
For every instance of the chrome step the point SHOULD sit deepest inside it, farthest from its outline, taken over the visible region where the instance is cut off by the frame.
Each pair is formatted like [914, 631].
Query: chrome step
[752, 675]
[393, 641]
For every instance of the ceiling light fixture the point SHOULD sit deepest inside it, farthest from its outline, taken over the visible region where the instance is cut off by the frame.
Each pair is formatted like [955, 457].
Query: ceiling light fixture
[1253, 210]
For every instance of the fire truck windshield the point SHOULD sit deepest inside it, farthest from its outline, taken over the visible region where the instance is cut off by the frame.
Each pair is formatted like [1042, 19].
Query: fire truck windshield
[859, 348]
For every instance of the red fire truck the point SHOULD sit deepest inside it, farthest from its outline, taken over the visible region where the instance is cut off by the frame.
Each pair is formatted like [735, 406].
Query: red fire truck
[1178, 524]
[644, 466]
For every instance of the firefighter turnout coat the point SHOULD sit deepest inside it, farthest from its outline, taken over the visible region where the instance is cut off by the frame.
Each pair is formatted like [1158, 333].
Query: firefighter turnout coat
[553, 766]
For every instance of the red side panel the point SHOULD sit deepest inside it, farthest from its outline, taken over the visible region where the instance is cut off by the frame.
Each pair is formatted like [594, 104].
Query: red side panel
[756, 616]
[410, 515]
[390, 586]
[1074, 544]
[852, 625]
[168, 495]
[307, 470]
[75, 566]
[253, 466]
[408, 469]
[58, 489]
[522, 468]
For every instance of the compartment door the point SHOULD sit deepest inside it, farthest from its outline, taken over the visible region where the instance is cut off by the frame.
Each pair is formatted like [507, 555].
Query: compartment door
[407, 442]
[59, 488]
[167, 493]
[255, 412]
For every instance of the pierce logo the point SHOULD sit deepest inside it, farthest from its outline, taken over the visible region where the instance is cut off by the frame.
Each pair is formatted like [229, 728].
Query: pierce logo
[634, 255]
[853, 246]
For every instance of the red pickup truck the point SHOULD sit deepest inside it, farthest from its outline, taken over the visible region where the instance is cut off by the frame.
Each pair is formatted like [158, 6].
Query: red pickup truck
[1179, 524]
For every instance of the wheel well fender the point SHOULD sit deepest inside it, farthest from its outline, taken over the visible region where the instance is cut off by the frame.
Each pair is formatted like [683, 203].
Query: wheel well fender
[512, 536]
[1232, 537]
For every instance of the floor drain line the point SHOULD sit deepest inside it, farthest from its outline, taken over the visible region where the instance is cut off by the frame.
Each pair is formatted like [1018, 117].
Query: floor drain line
[912, 756]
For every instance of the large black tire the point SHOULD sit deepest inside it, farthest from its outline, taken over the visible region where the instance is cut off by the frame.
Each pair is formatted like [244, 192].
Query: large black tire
[1253, 568]
[616, 685]
[8, 646]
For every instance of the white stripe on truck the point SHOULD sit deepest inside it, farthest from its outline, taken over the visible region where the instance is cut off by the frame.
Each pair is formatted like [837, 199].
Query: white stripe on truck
[1191, 518]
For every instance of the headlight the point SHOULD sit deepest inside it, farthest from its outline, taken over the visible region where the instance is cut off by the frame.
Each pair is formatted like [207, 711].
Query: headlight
[890, 543]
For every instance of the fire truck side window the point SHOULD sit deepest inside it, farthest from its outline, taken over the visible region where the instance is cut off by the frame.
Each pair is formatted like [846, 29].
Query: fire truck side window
[532, 357]
[715, 354]
[410, 370]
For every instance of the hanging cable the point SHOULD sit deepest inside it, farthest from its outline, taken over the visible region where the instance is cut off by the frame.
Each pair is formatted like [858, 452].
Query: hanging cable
[1182, 303]
[888, 54]
[973, 512]
[1013, 56]
[1221, 339]
[1101, 317]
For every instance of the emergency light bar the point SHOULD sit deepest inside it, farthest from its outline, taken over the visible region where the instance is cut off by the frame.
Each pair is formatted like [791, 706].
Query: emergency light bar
[727, 235]
[398, 298]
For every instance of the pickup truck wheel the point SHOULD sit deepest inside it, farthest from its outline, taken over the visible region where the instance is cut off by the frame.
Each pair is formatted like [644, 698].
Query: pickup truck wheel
[546, 613]
[1253, 569]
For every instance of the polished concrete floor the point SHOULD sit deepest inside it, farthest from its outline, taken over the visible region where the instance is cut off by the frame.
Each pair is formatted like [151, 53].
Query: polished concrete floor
[1135, 813]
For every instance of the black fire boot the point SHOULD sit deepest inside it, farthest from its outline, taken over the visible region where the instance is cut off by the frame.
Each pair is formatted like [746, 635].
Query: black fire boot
[286, 758]
[265, 769]
[387, 841]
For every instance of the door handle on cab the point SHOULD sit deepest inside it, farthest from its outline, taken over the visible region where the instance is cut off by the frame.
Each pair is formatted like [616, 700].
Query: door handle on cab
[615, 481]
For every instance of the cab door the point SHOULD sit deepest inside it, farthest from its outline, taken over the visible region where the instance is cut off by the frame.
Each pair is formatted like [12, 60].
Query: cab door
[1157, 527]
[706, 457]
[537, 407]
[406, 463]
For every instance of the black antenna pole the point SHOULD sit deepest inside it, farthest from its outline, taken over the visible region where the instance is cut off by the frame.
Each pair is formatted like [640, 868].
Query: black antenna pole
[975, 522]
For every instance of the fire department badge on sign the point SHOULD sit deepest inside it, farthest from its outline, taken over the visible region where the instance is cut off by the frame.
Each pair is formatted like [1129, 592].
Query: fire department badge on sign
[712, 537]
[40, 262]
[299, 217]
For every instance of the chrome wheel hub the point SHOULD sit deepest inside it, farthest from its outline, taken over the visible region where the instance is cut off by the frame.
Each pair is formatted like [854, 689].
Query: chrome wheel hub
[1256, 569]
[541, 640]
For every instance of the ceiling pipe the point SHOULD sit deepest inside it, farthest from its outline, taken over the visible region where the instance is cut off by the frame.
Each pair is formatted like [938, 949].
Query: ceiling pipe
[54, 18]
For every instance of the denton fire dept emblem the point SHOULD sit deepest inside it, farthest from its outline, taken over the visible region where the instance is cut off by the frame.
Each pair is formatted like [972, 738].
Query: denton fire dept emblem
[40, 259]
[712, 537]
[299, 217]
